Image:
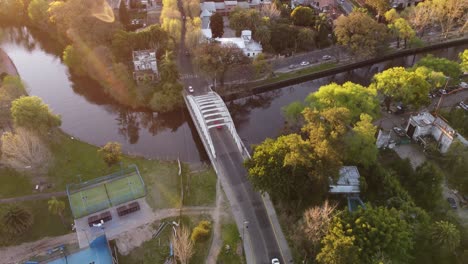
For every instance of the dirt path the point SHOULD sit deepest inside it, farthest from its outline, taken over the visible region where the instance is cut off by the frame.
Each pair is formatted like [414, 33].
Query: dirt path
[40, 196]
[16, 254]
[217, 242]
[6, 64]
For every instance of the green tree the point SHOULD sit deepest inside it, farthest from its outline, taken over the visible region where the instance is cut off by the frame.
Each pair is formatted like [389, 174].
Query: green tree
[464, 60]
[457, 166]
[447, 13]
[201, 231]
[293, 111]
[123, 14]
[306, 39]
[285, 39]
[446, 236]
[37, 12]
[217, 25]
[31, 113]
[261, 65]
[74, 60]
[356, 98]
[399, 84]
[16, 219]
[425, 186]
[56, 207]
[215, 59]
[242, 19]
[276, 168]
[403, 30]
[111, 153]
[303, 16]
[369, 233]
[360, 33]
[447, 67]
[361, 144]
[11, 88]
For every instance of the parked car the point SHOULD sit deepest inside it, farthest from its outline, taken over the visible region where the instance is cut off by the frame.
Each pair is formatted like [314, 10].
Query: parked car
[463, 105]
[400, 109]
[190, 89]
[464, 85]
[452, 203]
[275, 261]
[292, 66]
[305, 63]
[399, 131]
[326, 57]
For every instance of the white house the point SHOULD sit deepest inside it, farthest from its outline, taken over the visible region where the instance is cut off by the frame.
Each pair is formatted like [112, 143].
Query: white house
[145, 65]
[425, 124]
[250, 47]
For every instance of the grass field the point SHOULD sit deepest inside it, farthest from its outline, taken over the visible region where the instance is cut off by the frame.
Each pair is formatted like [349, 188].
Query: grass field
[200, 188]
[44, 223]
[125, 189]
[230, 237]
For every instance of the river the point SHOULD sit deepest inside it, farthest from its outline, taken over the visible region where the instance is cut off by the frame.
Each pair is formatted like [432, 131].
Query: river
[90, 115]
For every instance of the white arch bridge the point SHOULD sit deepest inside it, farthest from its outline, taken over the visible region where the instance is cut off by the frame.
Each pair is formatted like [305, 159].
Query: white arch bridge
[211, 112]
[254, 214]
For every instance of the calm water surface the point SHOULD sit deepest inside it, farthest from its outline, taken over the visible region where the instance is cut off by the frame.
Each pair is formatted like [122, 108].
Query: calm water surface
[90, 115]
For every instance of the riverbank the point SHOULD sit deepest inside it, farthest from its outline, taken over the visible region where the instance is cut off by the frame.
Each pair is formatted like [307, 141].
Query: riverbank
[322, 70]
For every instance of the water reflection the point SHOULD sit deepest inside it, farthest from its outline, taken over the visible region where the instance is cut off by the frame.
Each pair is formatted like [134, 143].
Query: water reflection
[89, 114]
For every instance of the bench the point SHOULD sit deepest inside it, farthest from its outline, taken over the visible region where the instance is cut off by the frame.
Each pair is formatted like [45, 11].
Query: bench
[128, 209]
[95, 219]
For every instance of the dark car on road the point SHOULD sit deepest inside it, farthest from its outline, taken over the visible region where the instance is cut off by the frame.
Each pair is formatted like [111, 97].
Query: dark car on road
[452, 203]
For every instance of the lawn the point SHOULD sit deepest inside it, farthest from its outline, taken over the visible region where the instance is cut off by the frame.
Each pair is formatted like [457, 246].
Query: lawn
[13, 183]
[157, 250]
[45, 224]
[295, 74]
[89, 201]
[200, 188]
[230, 236]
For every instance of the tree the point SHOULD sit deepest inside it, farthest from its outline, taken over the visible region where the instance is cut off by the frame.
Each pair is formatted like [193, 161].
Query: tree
[285, 39]
[24, 150]
[464, 60]
[56, 207]
[403, 29]
[457, 165]
[271, 11]
[420, 17]
[37, 12]
[111, 152]
[17, 219]
[381, 6]
[306, 39]
[193, 34]
[293, 111]
[123, 14]
[31, 113]
[399, 84]
[362, 236]
[215, 59]
[217, 25]
[445, 235]
[261, 65]
[316, 221]
[356, 98]
[11, 88]
[447, 67]
[361, 144]
[303, 16]
[183, 246]
[242, 19]
[360, 33]
[276, 168]
[447, 13]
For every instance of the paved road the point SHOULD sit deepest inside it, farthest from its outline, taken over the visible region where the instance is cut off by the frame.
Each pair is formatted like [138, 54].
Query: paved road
[347, 6]
[249, 202]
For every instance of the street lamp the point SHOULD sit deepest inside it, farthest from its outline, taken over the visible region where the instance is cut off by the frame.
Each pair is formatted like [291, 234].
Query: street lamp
[243, 228]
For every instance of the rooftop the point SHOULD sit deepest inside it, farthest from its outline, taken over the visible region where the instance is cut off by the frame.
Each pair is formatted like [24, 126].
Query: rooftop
[348, 182]
[144, 60]
[427, 119]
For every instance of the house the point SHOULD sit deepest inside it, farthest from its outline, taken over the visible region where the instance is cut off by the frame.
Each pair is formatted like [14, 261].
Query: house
[347, 183]
[250, 47]
[145, 65]
[401, 4]
[425, 124]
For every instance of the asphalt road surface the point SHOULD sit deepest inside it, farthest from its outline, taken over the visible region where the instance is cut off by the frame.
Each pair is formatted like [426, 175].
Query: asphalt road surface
[258, 229]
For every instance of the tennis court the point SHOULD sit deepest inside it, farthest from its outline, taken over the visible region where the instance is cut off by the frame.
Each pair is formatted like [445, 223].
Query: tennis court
[104, 192]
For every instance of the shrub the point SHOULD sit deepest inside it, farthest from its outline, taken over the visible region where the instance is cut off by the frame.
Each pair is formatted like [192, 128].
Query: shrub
[201, 231]
[111, 153]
